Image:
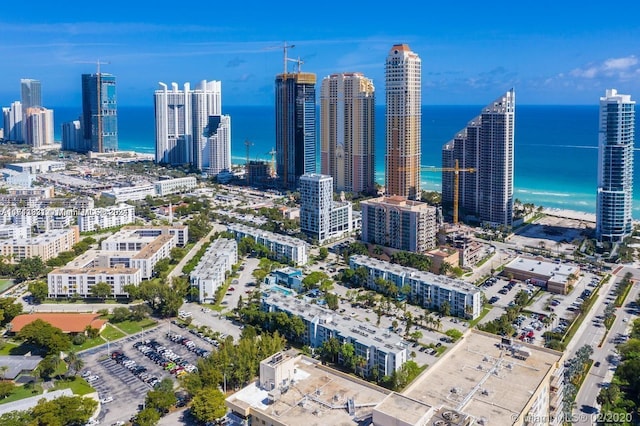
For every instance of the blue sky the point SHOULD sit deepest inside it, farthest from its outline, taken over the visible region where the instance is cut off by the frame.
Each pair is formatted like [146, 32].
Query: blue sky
[561, 52]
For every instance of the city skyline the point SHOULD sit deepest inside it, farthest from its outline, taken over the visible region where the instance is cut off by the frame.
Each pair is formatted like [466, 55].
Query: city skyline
[561, 55]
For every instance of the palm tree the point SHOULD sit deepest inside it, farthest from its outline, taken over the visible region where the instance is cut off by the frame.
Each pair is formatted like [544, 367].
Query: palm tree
[74, 363]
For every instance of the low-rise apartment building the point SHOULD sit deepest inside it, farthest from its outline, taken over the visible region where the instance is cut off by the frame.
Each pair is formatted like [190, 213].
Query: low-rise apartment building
[430, 290]
[381, 349]
[210, 273]
[72, 282]
[46, 246]
[94, 219]
[174, 186]
[283, 247]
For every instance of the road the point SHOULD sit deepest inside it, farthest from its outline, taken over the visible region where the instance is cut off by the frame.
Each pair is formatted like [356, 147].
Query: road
[601, 375]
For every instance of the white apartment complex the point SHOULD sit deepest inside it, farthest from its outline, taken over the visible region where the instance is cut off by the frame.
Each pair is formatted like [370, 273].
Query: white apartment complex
[381, 349]
[430, 290]
[131, 193]
[210, 273]
[12, 118]
[320, 217]
[93, 219]
[46, 246]
[219, 144]
[173, 186]
[35, 167]
[283, 247]
[126, 257]
[399, 223]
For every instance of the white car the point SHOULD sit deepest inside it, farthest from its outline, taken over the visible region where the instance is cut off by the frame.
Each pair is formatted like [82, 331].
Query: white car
[85, 374]
[106, 400]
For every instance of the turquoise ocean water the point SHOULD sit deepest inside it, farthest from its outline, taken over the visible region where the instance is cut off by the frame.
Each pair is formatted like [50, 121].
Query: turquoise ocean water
[555, 146]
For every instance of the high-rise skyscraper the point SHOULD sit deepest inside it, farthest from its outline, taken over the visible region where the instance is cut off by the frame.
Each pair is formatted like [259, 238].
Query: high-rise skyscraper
[72, 138]
[99, 112]
[173, 124]
[38, 126]
[206, 101]
[321, 217]
[347, 131]
[403, 122]
[190, 128]
[31, 93]
[219, 142]
[615, 167]
[12, 118]
[295, 126]
[486, 145]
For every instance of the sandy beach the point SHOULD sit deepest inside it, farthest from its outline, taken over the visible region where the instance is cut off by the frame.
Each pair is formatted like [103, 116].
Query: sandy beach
[570, 214]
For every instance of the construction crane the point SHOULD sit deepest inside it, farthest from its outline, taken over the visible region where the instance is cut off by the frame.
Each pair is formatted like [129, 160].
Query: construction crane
[247, 144]
[272, 153]
[297, 61]
[98, 99]
[456, 170]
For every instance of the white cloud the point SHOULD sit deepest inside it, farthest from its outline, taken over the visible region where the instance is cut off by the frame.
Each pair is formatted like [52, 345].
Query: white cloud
[620, 68]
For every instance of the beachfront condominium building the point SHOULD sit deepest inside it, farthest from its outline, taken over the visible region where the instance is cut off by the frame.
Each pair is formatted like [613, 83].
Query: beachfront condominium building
[219, 144]
[72, 137]
[31, 91]
[38, 126]
[99, 113]
[486, 144]
[206, 101]
[190, 127]
[12, 117]
[173, 124]
[320, 217]
[403, 122]
[347, 131]
[429, 290]
[615, 167]
[295, 126]
[399, 223]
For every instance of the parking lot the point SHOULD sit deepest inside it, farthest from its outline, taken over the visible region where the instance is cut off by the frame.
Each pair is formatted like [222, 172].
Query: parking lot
[117, 381]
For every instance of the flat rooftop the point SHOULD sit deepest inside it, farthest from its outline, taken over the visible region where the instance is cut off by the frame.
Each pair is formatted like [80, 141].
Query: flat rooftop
[406, 410]
[18, 363]
[318, 397]
[559, 271]
[479, 379]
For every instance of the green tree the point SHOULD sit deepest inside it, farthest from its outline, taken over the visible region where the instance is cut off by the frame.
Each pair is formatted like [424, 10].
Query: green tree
[323, 252]
[74, 362]
[445, 308]
[48, 366]
[120, 314]
[208, 405]
[30, 268]
[139, 312]
[45, 335]
[100, 290]
[162, 398]
[39, 290]
[6, 387]
[147, 417]
[63, 411]
[454, 334]
[15, 418]
[332, 301]
[9, 309]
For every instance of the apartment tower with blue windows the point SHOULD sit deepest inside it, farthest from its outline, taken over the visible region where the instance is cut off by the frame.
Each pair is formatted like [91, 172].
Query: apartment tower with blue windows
[615, 167]
[99, 113]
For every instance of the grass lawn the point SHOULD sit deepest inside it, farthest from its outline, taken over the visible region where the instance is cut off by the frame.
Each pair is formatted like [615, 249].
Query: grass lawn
[111, 333]
[89, 343]
[133, 327]
[7, 347]
[21, 392]
[78, 386]
[485, 311]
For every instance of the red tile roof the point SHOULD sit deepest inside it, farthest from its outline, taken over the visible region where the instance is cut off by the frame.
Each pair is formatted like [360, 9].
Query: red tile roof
[68, 323]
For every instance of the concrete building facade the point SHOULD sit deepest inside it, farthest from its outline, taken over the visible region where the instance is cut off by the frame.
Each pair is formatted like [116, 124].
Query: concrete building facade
[403, 76]
[399, 223]
[347, 132]
[210, 273]
[282, 247]
[428, 289]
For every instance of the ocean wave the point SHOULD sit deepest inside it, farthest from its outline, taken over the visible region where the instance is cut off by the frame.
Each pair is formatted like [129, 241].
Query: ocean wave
[560, 146]
[534, 192]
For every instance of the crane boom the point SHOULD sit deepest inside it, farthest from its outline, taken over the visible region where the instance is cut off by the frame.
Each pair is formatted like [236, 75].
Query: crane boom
[456, 170]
